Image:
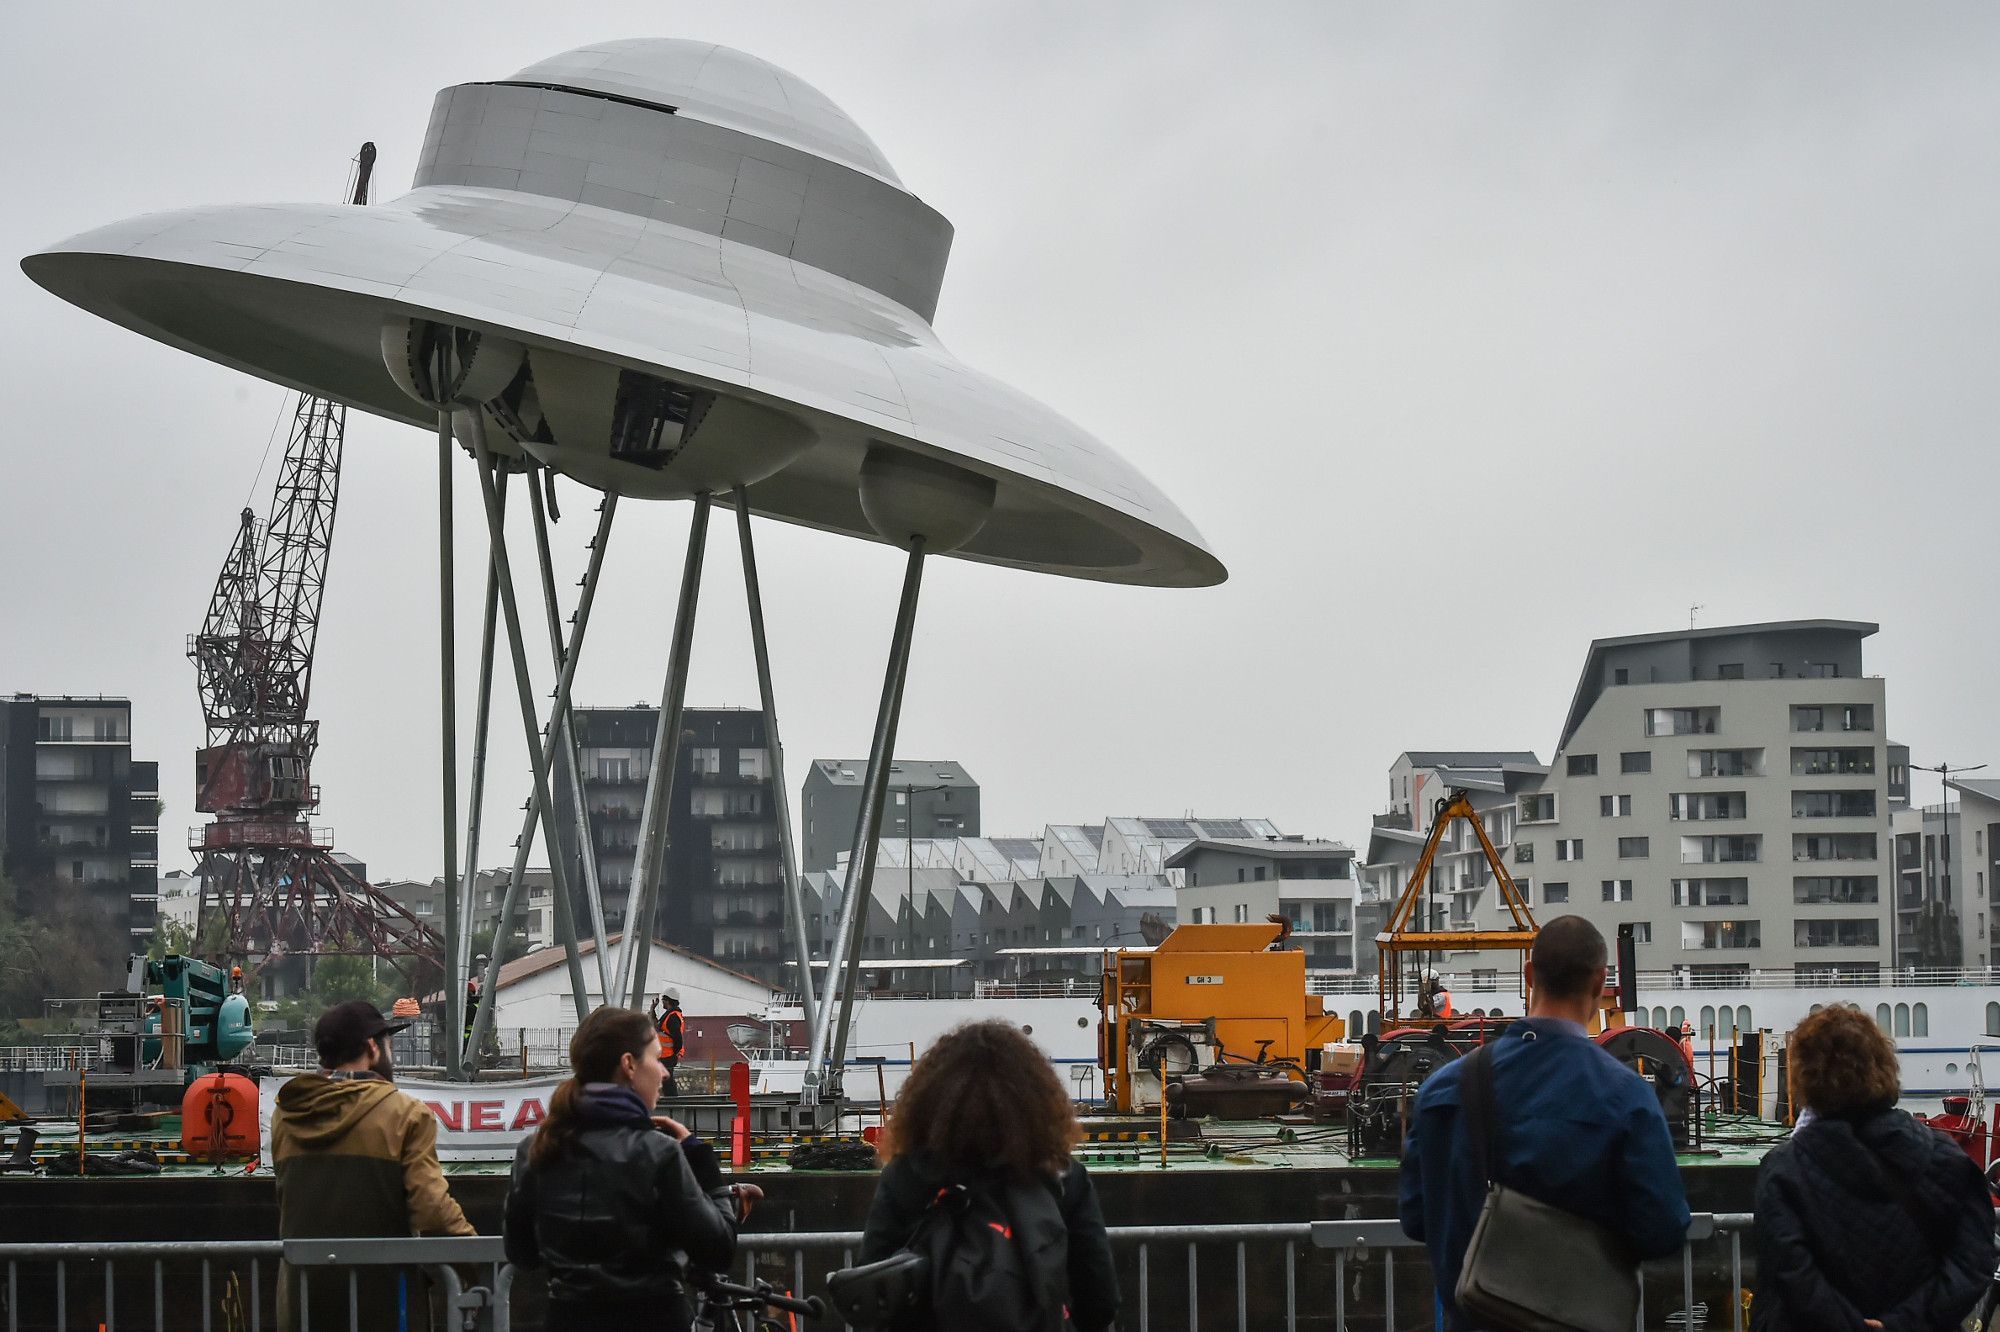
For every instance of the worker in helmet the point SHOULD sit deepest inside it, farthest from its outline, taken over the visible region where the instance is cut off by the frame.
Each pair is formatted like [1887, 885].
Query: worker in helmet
[236, 978]
[1433, 999]
[672, 1027]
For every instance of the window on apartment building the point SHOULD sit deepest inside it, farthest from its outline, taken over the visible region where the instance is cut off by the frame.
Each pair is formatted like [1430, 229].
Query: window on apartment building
[1642, 931]
[1569, 848]
[614, 769]
[1634, 848]
[1619, 676]
[1822, 670]
[1555, 894]
[1615, 807]
[1617, 890]
[1242, 874]
[1524, 853]
[1260, 873]
[1583, 765]
[1729, 670]
[1242, 915]
[1636, 760]
[1538, 808]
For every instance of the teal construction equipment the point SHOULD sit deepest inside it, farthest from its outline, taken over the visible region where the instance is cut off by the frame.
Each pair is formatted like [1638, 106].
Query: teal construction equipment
[195, 1003]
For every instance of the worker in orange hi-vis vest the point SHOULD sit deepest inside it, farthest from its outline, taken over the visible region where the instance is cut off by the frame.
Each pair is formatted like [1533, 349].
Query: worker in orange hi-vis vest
[673, 1036]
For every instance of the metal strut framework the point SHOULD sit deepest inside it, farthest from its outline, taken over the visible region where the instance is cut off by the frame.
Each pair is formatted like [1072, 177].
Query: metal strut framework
[268, 877]
[1397, 938]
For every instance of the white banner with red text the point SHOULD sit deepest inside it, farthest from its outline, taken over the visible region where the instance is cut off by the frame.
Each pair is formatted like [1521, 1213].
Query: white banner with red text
[477, 1121]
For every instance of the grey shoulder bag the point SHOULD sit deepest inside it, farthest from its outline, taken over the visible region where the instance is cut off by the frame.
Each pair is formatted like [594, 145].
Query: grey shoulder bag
[1508, 1278]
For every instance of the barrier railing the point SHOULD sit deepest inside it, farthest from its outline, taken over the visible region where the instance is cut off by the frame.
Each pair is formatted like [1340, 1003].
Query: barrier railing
[1337, 1275]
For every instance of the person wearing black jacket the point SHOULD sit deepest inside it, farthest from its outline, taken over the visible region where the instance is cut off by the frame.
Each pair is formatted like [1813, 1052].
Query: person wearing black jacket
[1866, 1219]
[617, 1205]
[984, 1108]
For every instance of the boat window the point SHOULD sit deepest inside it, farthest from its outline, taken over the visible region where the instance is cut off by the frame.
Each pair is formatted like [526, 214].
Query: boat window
[1743, 1018]
[1678, 1016]
[1882, 1016]
[1660, 1016]
[1993, 1019]
[1814, 1009]
[1708, 1016]
[1902, 1019]
[1920, 1020]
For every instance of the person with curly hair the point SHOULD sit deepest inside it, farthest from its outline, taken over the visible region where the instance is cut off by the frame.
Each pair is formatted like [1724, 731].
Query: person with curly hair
[1865, 1217]
[623, 1209]
[984, 1109]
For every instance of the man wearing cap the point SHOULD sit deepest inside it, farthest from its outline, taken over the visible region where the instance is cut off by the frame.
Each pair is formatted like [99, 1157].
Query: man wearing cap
[355, 1157]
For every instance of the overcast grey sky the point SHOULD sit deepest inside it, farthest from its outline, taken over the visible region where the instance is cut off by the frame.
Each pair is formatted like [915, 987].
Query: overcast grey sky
[1464, 334]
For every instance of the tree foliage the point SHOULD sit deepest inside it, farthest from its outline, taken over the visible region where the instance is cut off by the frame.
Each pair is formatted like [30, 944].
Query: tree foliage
[55, 943]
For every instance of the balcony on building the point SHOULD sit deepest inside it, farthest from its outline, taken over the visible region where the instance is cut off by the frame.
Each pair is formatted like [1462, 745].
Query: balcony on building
[1833, 762]
[1682, 721]
[1707, 806]
[1812, 718]
[1833, 846]
[1725, 763]
[1720, 849]
[1707, 935]
[1822, 890]
[1833, 804]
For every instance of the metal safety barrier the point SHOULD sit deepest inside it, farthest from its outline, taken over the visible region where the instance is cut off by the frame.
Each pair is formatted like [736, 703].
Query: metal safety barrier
[1332, 1275]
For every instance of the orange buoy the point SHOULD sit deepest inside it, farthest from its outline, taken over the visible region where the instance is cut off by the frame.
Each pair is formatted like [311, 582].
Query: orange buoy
[219, 1117]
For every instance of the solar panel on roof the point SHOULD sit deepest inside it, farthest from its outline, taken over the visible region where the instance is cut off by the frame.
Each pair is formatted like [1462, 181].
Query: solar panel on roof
[1225, 828]
[1168, 827]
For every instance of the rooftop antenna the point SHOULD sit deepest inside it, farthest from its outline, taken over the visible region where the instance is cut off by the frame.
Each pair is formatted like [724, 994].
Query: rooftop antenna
[1691, 611]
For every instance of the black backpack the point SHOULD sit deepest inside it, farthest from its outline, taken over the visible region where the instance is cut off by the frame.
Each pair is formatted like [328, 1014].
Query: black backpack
[985, 1257]
[999, 1258]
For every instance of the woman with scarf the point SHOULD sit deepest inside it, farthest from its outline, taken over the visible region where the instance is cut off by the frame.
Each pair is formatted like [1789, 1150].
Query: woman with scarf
[616, 1204]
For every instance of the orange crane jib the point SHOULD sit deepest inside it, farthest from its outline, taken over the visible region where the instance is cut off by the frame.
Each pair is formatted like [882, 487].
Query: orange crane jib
[1397, 938]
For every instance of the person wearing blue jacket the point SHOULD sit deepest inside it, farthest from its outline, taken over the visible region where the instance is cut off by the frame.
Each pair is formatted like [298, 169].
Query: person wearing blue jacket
[1578, 1130]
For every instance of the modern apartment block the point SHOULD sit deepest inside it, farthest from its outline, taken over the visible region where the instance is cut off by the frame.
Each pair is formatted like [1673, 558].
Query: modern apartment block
[1726, 792]
[722, 895]
[1309, 881]
[1947, 863]
[927, 799]
[77, 814]
[534, 920]
[1978, 872]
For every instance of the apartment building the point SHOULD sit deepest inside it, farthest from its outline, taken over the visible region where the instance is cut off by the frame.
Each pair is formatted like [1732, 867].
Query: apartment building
[1727, 792]
[77, 814]
[928, 798]
[1309, 881]
[1974, 850]
[722, 891]
[534, 919]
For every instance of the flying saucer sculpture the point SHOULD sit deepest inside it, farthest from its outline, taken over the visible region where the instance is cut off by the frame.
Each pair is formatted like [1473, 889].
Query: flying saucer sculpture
[682, 269]
[666, 270]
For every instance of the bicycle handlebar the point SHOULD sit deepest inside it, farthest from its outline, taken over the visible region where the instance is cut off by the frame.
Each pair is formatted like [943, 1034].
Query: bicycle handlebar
[812, 1306]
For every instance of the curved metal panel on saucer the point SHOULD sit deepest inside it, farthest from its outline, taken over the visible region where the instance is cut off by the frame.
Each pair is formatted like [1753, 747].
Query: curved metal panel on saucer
[708, 276]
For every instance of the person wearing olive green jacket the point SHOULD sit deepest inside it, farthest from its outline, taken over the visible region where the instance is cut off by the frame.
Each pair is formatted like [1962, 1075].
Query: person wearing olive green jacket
[356, 1158]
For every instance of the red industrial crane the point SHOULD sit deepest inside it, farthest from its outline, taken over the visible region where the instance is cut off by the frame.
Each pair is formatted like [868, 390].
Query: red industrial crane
[266, 872]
